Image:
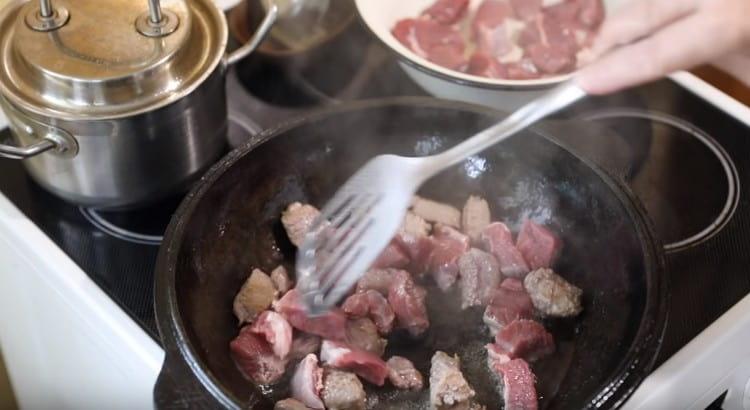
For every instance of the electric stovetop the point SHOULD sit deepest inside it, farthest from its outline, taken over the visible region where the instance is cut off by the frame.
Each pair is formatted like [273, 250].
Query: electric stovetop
[684, 158]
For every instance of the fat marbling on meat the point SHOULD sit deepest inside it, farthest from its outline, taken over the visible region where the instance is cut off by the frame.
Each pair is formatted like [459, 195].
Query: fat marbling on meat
[524, 339]
[307, 382]
[280, 279]
[374, 305]
[408, 302]
[255, 358]
[255, 296]
[366, 365]
[538, 245]
[297, 220]
[449, 245]
[441, 44]
[479, 276]
[475, 217]
[403, 374]
[276, 330]
[448, 386]
[552, 295]
[331, 325]
[361, 333]
[447, 11]
[509, 302]
[498, 240]
[342, 391]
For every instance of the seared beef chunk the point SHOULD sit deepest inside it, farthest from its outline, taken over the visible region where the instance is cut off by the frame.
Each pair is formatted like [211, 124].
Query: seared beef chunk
[280, 279]
[449, 244]
[436, 212]
[538, 245]
[307, 382]
[441, 44]
[255, 358]
[519, 392]
[289, 404]
[297, 220]
[479, 276]
[361, 333]
[408, 302]
[391, 257]
[276, 330]
[415, 225]
[331, 325]
[509, 302]
[342, 391]
[364, 364]
[552, 295]
[525, 339]
[303, 344]
[373, 305]
[255, 296]
[448, 387]
[403, 375]
[376, 279]
[497, 240]
[475, 217]
[447, 11]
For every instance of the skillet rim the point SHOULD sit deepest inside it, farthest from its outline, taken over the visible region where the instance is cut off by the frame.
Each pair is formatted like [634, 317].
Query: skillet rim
[635, 365]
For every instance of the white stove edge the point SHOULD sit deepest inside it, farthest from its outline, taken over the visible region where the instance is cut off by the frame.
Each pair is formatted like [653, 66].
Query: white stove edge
[68, 345]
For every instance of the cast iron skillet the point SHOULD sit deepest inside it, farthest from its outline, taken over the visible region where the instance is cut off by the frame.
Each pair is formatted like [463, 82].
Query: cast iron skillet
[230, 223]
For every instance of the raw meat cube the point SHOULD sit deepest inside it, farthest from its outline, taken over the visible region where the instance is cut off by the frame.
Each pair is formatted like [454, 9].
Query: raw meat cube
[552, 295]
[331, 325]
[550, 46]
[280, 279]
[342, 391]
[519, 392]
[289, 404]
[307, 382]
[276, 330]
[448, 387]
[364, 364]
[475, 217]
[496, 31]
[255, 358]
[525, 339]
[483, 65]
[304, 344]
[361, 333]
[509, 302]
[255, 296]
[479, 276]
[449, 244]
[408, 302]
[403, 375]
[418, 249]
[592, 13]
[436, 212]
[376, 279]
[441, 44]
[373, 304]
[497, 240]
[522, 70]
[538, 245]
[391, 257]
[297, 220]
[447, 11]
[551, 59]
[526, 9]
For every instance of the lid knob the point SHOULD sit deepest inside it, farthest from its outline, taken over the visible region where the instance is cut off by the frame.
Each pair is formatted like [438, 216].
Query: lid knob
[46, 18]
[157, 22]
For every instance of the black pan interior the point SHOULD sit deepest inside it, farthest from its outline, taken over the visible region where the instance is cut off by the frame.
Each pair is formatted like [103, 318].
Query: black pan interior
[230, 224]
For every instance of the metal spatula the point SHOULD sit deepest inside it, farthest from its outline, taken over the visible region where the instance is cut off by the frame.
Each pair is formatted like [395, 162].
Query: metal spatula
[364, 215]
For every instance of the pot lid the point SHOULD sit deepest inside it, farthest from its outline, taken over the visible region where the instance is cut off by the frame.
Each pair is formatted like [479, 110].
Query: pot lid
[94, 59]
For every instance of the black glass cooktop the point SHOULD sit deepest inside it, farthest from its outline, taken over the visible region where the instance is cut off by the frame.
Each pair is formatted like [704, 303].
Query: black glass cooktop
[686, 160]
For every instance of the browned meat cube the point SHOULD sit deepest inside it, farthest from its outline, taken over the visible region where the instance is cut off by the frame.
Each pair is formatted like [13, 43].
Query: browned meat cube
[342, 391]
[280, 279]
[448, 387]
[376, 279]
[408, 302]
[403, 375]
[363, 334]
[475, 217]
[479, 276]
[374, 305]
[525, 339]
[415, 225]
[255, 358]
[366, 365]
[297, 220]
[552, 295]
[289, 404]
[436, 212]
[255, 296]
[304, 344]
[307, 382]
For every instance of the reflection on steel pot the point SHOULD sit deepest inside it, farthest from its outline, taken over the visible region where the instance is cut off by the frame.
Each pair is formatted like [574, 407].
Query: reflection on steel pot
[116, 104]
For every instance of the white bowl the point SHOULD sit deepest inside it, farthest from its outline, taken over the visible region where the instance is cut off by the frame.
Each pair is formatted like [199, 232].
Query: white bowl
[381, 15]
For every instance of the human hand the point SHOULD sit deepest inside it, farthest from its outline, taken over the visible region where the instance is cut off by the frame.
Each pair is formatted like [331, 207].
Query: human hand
[648, 39]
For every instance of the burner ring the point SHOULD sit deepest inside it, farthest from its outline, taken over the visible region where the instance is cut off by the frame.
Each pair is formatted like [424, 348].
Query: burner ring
[111, 229]
[730, 171]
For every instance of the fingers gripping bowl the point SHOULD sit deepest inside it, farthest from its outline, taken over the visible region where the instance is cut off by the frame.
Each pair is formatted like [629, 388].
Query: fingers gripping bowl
[231, 224]
[457, 83]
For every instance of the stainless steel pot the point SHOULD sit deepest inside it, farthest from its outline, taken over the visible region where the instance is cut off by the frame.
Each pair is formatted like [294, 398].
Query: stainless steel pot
[116, 103]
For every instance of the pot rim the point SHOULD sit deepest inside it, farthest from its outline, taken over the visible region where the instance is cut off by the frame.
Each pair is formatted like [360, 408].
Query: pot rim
[633, 367]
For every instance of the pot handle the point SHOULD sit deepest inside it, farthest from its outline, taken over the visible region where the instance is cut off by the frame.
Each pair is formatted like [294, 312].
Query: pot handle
[50, 138]
[257, 38]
